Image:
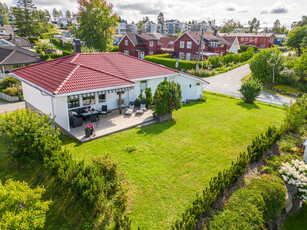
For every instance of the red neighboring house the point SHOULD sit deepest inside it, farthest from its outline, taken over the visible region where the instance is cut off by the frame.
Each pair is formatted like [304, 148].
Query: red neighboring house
[186, 46]
[167, 43]
[139, 45]
[260, 40]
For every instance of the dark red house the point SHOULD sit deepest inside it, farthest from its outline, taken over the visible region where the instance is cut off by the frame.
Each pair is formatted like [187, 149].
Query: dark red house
[139, 44]
[260, 40]
[186, 46]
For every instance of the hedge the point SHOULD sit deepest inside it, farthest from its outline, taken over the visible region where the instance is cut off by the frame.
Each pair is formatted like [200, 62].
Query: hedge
[227, 177]
[251, 207]
[115, 49]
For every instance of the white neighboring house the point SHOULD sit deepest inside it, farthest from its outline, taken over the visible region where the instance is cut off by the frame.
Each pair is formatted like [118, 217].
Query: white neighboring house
[234, 45]
[68, 83]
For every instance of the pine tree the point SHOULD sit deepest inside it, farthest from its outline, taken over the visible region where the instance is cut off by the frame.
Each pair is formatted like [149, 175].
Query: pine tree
[26, 18]
[68, 14]
[97, 22]
[4, 12]
[160, 18]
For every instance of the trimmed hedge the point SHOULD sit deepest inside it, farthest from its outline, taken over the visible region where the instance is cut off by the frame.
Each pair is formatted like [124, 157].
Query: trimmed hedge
[220, 183]
[251, 207]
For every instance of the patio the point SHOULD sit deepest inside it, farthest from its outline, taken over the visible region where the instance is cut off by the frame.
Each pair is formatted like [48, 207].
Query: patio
[113, 123]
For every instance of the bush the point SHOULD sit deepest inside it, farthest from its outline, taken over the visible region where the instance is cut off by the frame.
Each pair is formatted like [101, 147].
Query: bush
[9, 82]
[51, 56]
[248, 208]
[168, 97]
[45, 46]
[28, 135]
[288, 77]
[244, 48]
[251, 89]
[12, 91]
[296, 114]
[115, 49]
[22, 207]
[261, 68]
[200, 72]
[33, 40]
[149, 98]
[39, 51]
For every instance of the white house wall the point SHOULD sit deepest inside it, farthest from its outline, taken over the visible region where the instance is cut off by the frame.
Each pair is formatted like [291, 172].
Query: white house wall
[61, 111]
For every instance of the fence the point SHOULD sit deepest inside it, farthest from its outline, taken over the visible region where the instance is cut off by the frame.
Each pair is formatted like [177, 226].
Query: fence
[266, 98]
[8, 97]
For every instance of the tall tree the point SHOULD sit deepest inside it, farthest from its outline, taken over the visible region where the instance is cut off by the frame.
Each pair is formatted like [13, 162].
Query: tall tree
[26, 18]
[47, 13]
[254, 25]
[4, 12]
[229, 26]
[55, 13]
[97, 23]
[61, 13]
[160, 19]
[68, 14]
[297, 37]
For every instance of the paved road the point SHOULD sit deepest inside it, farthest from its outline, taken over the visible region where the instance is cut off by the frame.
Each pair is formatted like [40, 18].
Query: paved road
[10, 107]
[229, 83]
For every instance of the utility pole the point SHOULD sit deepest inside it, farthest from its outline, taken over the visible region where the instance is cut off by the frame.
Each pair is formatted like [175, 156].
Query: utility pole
[199, 47]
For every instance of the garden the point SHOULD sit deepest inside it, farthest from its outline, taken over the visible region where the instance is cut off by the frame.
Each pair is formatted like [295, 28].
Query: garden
[12, 87]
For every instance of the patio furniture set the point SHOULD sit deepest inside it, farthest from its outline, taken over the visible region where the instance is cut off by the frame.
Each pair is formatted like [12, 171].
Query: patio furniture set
[139, 111]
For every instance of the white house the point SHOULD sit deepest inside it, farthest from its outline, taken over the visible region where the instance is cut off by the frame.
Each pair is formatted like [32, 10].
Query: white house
[234, 45]
[58, 86]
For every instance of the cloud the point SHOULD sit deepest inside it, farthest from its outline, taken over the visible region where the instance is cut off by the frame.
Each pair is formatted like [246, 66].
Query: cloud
[142, 7]
[231, 7]
[278, 8]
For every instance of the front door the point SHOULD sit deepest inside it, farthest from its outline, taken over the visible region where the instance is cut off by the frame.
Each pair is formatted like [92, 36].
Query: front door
[142, 55]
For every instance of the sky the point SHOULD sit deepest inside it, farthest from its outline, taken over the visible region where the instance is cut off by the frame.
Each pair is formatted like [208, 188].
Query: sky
[267, 11]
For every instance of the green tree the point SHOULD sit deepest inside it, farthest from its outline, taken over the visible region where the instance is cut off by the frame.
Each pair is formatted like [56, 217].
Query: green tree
[68, 14]
[276, 63]
[160, 19]
[4, 12]
[85, 49]
[260, 67]
[149, 99]
[97, 22]
[168, 97]
[27, 18]
[297, 38]
[251, 89]
[229, 26]
[55, 13]
[22, 207]
[254, 25]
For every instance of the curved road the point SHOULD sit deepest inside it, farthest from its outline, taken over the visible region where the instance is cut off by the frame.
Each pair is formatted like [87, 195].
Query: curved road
[230, 82]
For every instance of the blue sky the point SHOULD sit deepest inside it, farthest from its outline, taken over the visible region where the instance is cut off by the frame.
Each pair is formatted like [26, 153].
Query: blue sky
[267, 11]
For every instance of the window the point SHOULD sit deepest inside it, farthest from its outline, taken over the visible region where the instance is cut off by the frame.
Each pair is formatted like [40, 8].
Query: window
[102, 98]
[189, 45]
[126, 52]
[89, 100]
[188, 56]
[213, 44]
[182, 44]
[150, 52]
[126, 42]
[143, 85]
[181, 55]
[151, 43]
[73, 102]
[242, 39]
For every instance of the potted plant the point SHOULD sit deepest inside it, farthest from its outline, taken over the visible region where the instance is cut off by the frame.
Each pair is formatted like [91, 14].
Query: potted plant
[89, 130]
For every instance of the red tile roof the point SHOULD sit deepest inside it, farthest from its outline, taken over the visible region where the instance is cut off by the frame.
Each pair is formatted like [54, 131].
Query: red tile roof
[167, 42]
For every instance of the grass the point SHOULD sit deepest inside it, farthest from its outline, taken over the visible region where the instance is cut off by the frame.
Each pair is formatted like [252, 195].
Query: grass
[297, 221]
[166, 164]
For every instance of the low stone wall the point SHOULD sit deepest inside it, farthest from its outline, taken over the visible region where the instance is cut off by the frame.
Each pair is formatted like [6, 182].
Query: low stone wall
[8, 97]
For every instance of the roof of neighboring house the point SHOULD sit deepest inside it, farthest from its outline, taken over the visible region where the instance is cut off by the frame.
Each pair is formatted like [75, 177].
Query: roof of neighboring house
[230, 40]
[246, 34]
[136, 38]
[13, 55]
[8, 29]
[167, 42]
[79, 72]
[17, 41]
[208, 37]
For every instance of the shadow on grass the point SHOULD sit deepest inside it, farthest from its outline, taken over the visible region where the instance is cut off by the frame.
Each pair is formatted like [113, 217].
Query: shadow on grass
[247, 106]
[157, 128]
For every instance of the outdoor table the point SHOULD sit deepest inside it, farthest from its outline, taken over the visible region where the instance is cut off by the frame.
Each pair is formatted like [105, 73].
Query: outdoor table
[85, 115]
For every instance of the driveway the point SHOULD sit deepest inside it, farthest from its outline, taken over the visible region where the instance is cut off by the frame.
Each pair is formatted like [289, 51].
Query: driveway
[10, 107]
[230, 82]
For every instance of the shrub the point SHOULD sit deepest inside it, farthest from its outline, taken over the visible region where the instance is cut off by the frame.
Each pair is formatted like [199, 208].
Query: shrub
[261, 68]
[22, 207]
[45, 46]
[200, 72]
[39, 51]
[12, 91]
[28, 135]
[33, 40]
[168, 97]
[9, 82]
[115, 49]
[149, 98]
[86, 49]
[251, 89]
[296, 114]
[51, 56]
[288, 77]
[248, 208]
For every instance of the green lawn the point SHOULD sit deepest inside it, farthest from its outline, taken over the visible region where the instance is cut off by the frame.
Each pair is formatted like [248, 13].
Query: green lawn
[173, 161]
[297, 221]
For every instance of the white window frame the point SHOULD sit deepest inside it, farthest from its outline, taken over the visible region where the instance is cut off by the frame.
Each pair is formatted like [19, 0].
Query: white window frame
[150, 52]
[181, 44]
[188, 56]
[151, 43]
[126, 42]
[189, 45]
[126, 52]
[143, 85]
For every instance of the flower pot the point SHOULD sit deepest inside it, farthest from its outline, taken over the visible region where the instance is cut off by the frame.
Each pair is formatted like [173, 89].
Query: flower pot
[88, 132]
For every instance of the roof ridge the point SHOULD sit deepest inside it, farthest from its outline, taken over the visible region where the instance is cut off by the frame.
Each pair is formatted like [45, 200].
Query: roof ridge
[77, 55]
[66, 79]
[40, 63]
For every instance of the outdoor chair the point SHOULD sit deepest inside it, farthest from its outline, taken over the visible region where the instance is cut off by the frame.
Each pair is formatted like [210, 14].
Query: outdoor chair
[94, 118]
[75, 121]
[104, 110]
[129, 110]
[141, 109]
